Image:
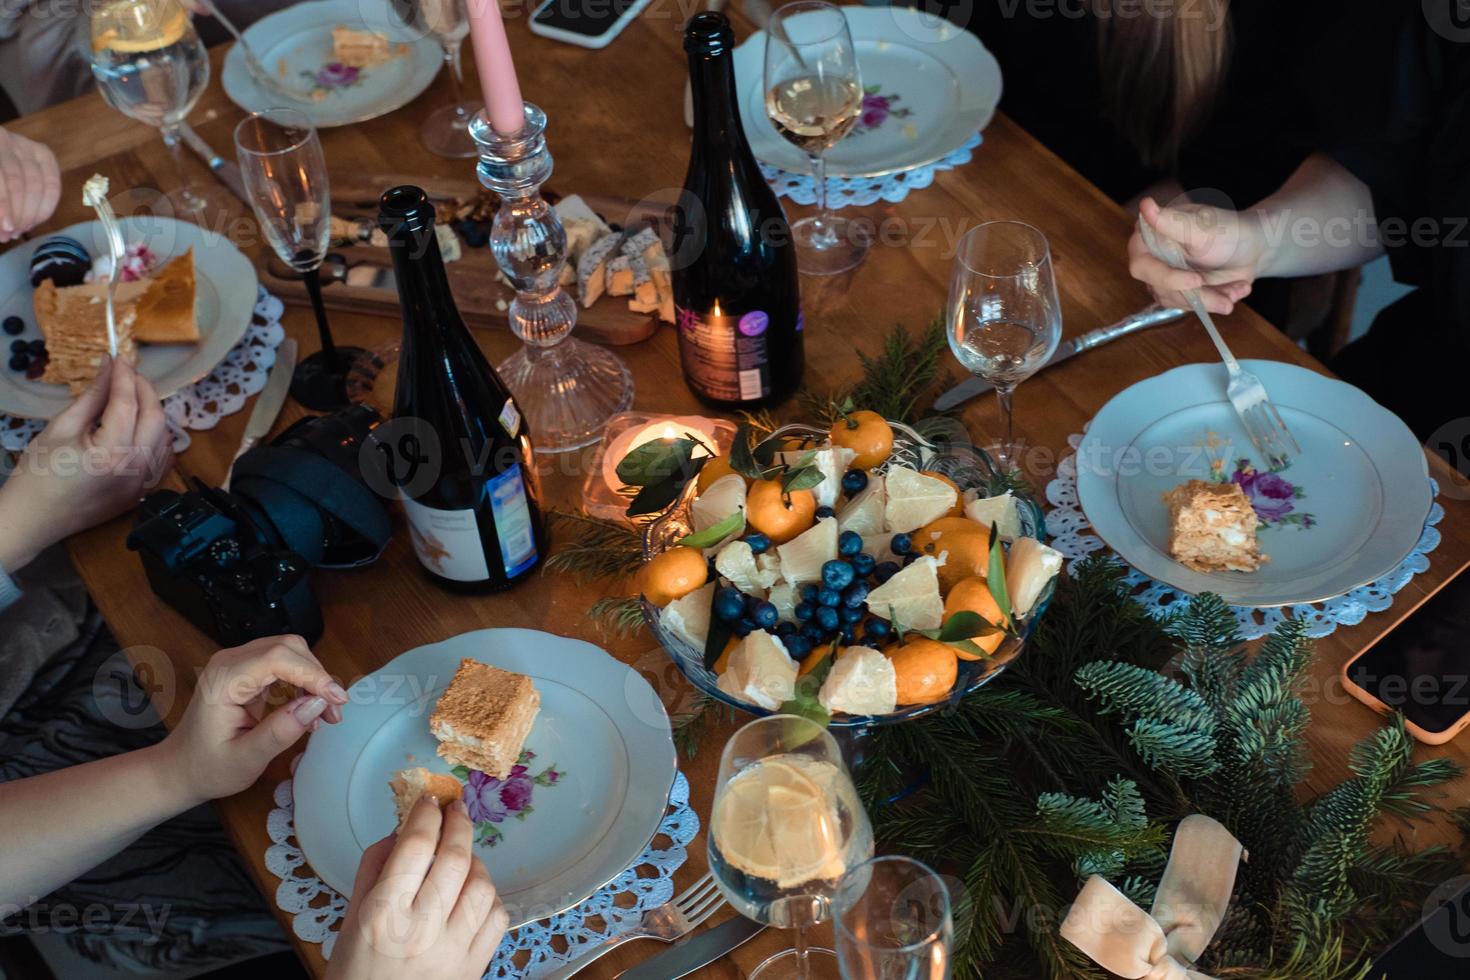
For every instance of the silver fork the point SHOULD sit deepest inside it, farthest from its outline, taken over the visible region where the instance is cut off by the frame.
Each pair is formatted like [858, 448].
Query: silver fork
[1263, 423]
[666, 923]
[252, 63]
[94, 195]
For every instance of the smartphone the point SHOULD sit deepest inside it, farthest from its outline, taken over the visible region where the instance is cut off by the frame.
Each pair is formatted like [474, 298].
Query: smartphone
[1439, 946]
[588, 23]
[1421, 667]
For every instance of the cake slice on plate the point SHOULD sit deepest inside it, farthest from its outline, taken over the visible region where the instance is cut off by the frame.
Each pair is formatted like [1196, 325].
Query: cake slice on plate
[1212, 527]
[483, 718]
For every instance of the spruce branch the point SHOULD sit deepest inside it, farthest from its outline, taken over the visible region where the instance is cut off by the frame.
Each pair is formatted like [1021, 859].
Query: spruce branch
[596, 548]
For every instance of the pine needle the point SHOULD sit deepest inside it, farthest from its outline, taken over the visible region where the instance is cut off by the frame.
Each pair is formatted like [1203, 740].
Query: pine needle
[597, 549]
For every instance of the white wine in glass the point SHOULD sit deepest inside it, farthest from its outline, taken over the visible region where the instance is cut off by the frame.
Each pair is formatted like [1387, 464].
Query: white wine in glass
[814, 95]
[787, 825]
[1004, 319]
[151, 66]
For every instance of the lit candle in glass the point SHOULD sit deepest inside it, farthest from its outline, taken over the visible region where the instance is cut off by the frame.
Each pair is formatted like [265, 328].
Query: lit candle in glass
[668, 428]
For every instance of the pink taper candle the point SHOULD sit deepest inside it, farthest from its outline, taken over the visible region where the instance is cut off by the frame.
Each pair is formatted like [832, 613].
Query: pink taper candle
[497, 70]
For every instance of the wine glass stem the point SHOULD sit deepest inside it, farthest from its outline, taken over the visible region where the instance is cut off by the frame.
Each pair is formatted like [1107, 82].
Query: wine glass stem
[171, 140]
[803, 960]
[822, 233]
[456, 78]
[313, 279]
[1006, 449]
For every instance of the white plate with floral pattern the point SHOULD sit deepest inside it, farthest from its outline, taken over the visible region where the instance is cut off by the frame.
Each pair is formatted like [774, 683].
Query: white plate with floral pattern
[1349, 507]
[928, 87]
[589, 794]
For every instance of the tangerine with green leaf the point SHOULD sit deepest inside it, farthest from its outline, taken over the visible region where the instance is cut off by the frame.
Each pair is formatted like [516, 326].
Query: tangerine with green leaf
[866, 433]
[778, 515]
[673, 574]
[973, 595]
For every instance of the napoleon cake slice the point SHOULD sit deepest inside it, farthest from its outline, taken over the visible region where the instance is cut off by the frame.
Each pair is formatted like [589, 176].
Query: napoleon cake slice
[483, 718]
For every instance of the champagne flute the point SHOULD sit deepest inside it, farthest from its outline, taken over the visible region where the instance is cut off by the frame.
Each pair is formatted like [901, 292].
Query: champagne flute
[1004, 318]
[893, 922]
[787, 824]
[151, 66]
[285, 178]
[446, 130]
[814, 95]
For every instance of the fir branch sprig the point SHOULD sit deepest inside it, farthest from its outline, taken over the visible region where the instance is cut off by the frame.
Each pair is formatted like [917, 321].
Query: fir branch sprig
[619, 615]
[689, 727]
[898, 383]
[595, 548]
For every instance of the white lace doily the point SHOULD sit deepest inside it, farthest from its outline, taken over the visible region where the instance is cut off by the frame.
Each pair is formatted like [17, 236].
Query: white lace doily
[530, 951]
[842, 191]
[1073, 537]
[241, 374]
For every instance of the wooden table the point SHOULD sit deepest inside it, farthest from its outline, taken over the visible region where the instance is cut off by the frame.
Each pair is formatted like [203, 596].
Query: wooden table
[619, 130]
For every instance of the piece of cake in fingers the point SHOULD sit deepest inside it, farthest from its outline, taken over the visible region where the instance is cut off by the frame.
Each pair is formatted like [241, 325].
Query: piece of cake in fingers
[408, 785]
[483, 718]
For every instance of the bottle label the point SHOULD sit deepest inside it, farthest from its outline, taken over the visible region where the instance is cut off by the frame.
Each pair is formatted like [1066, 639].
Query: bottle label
[510, 418]
[727, 358]
[507, 493]
[447, 541]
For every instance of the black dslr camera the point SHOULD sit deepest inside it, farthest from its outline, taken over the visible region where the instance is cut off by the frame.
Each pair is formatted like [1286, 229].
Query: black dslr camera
[236, 562]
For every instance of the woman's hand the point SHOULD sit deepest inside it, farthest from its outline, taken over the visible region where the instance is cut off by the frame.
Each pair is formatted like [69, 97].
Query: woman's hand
[1225, 249]
[30, 184]
[91, 463]
[423, 905]
[229, 733]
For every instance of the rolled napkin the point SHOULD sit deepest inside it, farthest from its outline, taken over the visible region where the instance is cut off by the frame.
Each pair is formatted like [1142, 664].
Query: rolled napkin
[1191, 902]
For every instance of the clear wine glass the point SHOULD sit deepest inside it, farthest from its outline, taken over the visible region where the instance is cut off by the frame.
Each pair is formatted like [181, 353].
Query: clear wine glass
[787, 825]
[446, 130]
[814, 95]
[151, 66]
[285, 178]
[893, 921]
[1004, 317]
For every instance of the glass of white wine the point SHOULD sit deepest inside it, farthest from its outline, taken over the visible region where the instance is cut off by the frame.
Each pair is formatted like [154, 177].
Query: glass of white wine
[814, 95]
[787, 825]
[1004, 318]
[446, 130]
[151, 66]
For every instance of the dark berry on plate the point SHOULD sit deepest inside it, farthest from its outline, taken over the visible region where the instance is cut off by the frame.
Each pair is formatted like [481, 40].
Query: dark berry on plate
[744, 627]
[837, 574]
[765, 615]
[828, 597]
[786, 629]
[759, 543]
[798, 646]
[19, 347]
[864, 565]
[856, 595]
[885, 571]
[809, 592]
[827, 618]
[849, 635]
[751, 601]
[812, 633]
[805, 611]
[729, 604]
[848, 615]
[825, 512]
[19, 362]
[849, 543]
[901, 544]
[14, 325]
[879, 628]
[36, 347]
[854, 482]
[37, 368]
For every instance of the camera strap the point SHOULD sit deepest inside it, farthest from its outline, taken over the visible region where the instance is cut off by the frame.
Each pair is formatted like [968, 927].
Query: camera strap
[323, 484]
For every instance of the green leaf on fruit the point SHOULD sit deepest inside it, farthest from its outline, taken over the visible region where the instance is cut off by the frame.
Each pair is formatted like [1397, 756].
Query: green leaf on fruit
[995, 575]
[719, 634]
[715, 533]
[656, 496]
[802, 478]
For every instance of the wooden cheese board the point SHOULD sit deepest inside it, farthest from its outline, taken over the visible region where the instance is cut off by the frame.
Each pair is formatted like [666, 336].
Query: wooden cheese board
[358, 276]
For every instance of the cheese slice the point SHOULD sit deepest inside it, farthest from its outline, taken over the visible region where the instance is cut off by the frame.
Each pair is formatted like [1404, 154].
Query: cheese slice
[592, 267]
[638, 246]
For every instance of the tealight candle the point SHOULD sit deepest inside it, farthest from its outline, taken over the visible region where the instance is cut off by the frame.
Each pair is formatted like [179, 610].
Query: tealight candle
[667, 428]
[603, 494]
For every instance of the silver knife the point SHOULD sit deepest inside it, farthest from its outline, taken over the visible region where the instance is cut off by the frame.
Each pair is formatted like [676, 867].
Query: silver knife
[268, 404]
[226, 170]
[1150, 317]
[690, 955]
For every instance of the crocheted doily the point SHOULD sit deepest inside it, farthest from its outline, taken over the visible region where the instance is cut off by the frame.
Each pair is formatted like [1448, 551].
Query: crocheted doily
[529, 951]
[241, 374]
[842, 191]
[1073, 537]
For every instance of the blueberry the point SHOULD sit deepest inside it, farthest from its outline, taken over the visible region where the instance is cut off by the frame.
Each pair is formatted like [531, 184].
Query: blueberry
[14, 325]
[827, 618]
[879, 628]
[765, 615]
[855, 595]
[854, 482]
[805, 611]
[812, 633]
[20, 347]
[849, 544]
[828, 597]
[752, 602]
[36, 347]
[743, 626]
[19, 362]
[785, 629]
[884, 571]
[798, 647]
[758, 542]
[901, 544]
[729, 604]
[825, 512]
[809, 592]
[849, 614]
[863, 565]
[837, 574]
[849, 635]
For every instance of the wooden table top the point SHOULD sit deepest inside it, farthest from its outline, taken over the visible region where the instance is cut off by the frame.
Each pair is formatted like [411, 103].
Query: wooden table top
[619, 130]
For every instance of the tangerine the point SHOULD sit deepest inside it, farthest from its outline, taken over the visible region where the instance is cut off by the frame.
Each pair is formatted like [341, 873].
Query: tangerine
[673, 574]
[926, 669]
[866, 433]
[973, 595]
[779, 516]
[717, 467]
[964, 543]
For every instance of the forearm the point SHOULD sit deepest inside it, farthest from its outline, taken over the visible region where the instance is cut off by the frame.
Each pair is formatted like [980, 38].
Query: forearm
[20, 540]
[1321, 220]
[64, 823]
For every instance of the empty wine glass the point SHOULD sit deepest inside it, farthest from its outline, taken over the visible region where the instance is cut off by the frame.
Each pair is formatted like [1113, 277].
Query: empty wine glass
[787, 824]
[151, 66]
[814, 95]
[285, 178]
[1004, 317]
[893, 921]
[446, 130]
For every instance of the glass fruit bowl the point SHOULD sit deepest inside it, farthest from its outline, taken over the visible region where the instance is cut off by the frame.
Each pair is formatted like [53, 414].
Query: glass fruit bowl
[970, 467]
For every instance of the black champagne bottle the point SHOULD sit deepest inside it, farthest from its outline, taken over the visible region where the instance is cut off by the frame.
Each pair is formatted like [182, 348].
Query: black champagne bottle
[736, 298]
[460, 451]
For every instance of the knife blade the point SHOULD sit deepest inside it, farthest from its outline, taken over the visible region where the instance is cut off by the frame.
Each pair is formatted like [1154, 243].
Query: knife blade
[694, 953]
[227, 171]
[1149, 317]
[272, 397]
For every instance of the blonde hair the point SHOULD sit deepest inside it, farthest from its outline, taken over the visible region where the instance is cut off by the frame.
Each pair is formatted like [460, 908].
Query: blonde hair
[1162, 66]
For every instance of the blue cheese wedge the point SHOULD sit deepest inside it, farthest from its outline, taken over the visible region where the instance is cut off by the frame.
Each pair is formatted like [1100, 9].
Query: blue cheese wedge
[638, 246]
[592, 267]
